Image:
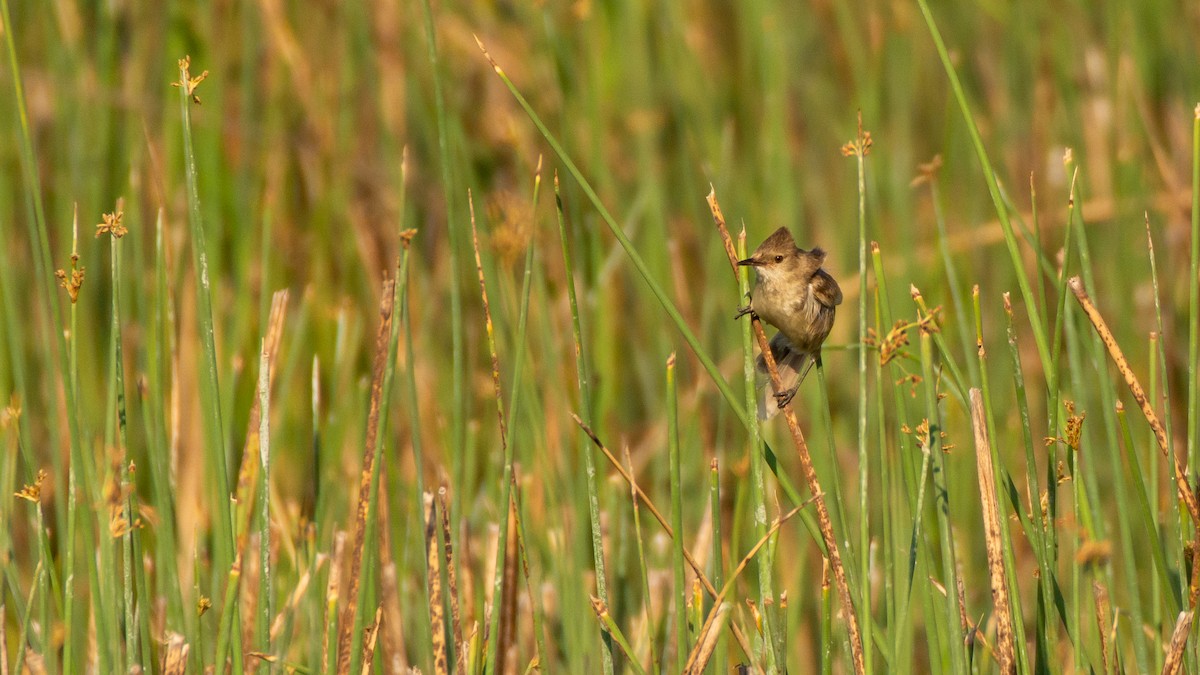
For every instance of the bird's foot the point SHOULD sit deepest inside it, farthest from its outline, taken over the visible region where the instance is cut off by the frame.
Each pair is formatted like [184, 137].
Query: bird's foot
[783, 398]
[743, 311]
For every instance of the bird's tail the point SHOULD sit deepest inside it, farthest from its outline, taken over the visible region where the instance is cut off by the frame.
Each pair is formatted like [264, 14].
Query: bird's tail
[792, 365]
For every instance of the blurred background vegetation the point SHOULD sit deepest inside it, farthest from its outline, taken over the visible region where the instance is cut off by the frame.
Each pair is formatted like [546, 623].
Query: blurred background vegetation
[317, 142]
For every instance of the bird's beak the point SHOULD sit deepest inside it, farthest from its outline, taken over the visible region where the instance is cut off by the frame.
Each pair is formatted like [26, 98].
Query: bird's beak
[749, 261]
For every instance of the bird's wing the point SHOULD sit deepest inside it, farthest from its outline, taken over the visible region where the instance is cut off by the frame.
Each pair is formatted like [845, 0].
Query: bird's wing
[825, 289]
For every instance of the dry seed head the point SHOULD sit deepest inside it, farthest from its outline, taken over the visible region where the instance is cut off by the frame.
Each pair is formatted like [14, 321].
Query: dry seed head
[112, 225]
[33, 491]
[186, 80]
[73, 283]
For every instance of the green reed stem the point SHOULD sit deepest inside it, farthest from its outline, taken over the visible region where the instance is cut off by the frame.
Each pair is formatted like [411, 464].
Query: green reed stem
[864, 464]
[1193, 420]
[681, 640]
[718, 565]
[458, 413]
[583, 376]
[210, 389]
[993, 185]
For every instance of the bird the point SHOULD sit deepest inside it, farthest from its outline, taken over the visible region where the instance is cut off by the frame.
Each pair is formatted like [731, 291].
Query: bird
[798, 297]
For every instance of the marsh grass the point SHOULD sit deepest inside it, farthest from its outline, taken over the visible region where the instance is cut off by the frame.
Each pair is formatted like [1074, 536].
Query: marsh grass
[1018, 433]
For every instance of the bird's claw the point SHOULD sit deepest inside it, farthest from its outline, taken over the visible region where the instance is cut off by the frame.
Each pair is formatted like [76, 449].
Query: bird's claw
[743, 311]
[783, 398]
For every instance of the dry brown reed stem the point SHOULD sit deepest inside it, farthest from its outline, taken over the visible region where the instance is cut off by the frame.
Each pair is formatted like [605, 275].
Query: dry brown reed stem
[806, 465]
[251, 570]
[437, 618]
[1174, 660]
[1005, 642]
[379, 369]
[687, 555]
[460, 654]
[370, 635]
[332, 591]
[1100, 595]
[174, 661]
[702, 652]
[1139, 395]
[1194, 584]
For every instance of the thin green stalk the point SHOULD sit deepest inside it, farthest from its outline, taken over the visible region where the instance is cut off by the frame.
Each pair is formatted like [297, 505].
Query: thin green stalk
[681, 640]
[1193, 420]
[23, 637]
[956, 296]
[458, 411]
[583, 376]
[493, 656]
[1092, 526]
[993, 185]
[228, 629]
[535, 604]
[890, 510]
[414, 416]
[159, 448]
[864, 464]
[835, 481]
[758, 489]
[72, 498]
[933, 448]
[50, 302]
[630, 250]
[611, 628]
[210, 388]
[914, 482]
[956, 381]
[1147, 527]
[1053, 386]
[116, 409]
[523, 319]
[718, 571]
[45, 589]
[1158, 372]
[1037, 531]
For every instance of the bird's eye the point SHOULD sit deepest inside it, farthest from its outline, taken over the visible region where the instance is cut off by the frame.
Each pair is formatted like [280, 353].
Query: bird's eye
[778, 258]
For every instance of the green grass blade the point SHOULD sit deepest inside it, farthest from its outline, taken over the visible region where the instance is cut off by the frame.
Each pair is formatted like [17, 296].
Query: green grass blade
[993, 185]
[583, 378]
[210, 389]
[681, 632]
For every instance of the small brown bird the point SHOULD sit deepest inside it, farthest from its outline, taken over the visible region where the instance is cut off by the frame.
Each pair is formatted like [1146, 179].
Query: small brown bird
[799, 298]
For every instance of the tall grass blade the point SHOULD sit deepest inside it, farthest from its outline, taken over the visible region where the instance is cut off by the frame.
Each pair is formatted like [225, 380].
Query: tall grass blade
[583, 379]
[993, 186]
